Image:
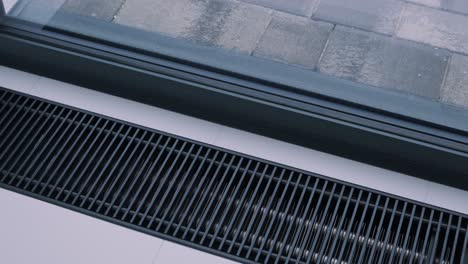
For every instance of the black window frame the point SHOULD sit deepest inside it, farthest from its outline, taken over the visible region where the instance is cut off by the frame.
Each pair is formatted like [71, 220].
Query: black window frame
[386, 138]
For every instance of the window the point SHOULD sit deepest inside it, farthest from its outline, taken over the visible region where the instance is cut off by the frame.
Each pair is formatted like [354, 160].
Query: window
[352, 78]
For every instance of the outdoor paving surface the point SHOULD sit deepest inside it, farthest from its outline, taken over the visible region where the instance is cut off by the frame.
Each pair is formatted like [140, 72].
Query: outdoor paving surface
[374, 15]
[456, 83]
[298, 7]
[228, 24]
[384, 62]
[415, 46]
[460, 6]
[308, 38]
[435, 27]
[102, 9]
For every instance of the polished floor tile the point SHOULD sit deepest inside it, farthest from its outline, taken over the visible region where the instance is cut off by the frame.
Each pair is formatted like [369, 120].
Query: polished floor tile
[174, 253]
[20, 81]
[32, 231]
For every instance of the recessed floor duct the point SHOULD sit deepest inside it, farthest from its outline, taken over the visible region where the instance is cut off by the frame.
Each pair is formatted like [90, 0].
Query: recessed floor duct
[216, 200]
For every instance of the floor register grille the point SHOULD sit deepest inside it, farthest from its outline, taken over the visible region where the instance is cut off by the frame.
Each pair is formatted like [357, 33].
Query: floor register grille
[216, 200]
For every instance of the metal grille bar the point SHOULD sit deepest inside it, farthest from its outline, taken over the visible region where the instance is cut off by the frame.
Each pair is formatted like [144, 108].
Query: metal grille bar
[223, 202]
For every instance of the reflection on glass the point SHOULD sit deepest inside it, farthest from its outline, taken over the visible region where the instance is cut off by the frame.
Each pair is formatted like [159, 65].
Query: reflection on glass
[417, 47]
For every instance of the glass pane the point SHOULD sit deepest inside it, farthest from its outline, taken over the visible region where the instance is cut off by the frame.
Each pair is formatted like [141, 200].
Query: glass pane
[416, 49]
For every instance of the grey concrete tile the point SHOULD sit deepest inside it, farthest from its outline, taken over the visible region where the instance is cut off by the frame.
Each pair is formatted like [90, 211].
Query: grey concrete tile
[433, 3]
[460, 6]
[102, 9]
[174, 253]
[231, 25]
[211, 22]
[32, 231]
[167, 17]
[374, 15]
[244, 27]
[298, 7]
[455, 90]
[40, 11]
[294, 40]
[384, 62]
[439, 28]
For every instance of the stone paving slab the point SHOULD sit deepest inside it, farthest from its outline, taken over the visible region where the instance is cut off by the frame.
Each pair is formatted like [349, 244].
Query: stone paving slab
[374, 15]
[460, 6]
[229, 24]
[207, 28]
[294, 40]
[455, 90]
[298, 7]
[102, 9]
[384, 62]
[168, 17]
[243, 28]
[40, 11]
[435, 27]
[291, 37]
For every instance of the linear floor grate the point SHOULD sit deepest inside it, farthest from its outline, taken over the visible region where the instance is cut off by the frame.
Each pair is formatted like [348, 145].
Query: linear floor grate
[223, 202]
